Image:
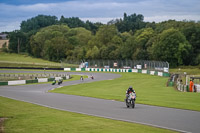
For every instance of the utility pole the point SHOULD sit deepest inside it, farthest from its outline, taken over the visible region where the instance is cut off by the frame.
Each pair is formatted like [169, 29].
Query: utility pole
[18, 48]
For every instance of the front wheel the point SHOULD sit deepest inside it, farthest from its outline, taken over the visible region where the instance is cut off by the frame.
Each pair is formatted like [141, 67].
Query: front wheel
[132, 103]
[127, 104]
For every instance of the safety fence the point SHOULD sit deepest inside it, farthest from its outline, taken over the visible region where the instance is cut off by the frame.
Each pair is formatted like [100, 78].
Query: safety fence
[158, 73]
[120, 64]
[38, 80]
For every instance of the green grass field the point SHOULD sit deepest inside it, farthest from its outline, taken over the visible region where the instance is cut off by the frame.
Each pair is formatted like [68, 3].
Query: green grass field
[150, 90]
[29, 118]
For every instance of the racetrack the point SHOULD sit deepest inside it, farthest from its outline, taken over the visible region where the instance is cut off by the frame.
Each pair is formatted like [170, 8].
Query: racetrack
[174, 119]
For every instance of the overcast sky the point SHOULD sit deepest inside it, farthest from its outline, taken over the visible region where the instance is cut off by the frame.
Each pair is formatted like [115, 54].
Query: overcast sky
[13, 12]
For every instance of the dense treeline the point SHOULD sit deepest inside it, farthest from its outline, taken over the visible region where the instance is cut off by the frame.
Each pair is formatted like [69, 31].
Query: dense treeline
[177, 42]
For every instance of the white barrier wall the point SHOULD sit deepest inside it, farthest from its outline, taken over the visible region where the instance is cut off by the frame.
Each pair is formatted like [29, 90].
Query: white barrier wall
[57, 78]
[144, 71]
[160, 74]
[18, 82]
[134, 70]
[43, 80]
[78, 69]
[67, 69]
[198, 87]
[152, 72]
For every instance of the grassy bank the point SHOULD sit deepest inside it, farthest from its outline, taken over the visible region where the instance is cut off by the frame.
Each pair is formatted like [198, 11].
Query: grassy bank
[29, 118]
[150, 90]
[189, 70]
[23, 60]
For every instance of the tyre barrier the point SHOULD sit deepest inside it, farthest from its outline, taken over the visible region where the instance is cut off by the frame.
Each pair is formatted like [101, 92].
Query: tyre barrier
[157, 73]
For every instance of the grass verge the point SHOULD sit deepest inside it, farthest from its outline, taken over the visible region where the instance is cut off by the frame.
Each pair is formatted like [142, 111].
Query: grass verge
[189, 71]
[29, 118]
[150, 90]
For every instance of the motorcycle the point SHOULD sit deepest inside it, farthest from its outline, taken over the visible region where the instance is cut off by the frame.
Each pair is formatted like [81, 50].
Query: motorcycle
[92, 77]
[60, 81]
[54, 82]
[130, 100]
[81, 78]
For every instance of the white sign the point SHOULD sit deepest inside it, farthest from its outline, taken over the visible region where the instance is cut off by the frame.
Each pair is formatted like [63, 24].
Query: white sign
[139, 66]
[166, 69]
[115, 64]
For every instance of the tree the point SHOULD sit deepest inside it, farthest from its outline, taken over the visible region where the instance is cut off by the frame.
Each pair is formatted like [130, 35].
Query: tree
[72, 22]
[4, 47]
[105, 34]
[79, 36]
[38, 22]
[172, 46]
[75, 22]
[93, 53]
[128, 47]
[104, 52]
[191, 30]
[142, 38]
[51, 43]
[17, 41]
[79, 53]
[130, 23]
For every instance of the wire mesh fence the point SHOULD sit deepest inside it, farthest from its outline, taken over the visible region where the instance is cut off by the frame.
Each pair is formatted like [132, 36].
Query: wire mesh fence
[129, 64]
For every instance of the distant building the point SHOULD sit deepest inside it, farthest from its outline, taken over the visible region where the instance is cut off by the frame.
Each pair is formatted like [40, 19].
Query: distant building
[3, 40]
[3, 36]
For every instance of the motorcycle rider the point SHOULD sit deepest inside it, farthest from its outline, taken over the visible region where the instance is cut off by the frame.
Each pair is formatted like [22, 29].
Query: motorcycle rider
[60, 81]
[81, 78]
[92, 77]
[54, 82]
[130, 90]
[130, 97]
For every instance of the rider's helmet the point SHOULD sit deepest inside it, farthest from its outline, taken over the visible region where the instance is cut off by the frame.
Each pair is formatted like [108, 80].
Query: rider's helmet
[131, 89]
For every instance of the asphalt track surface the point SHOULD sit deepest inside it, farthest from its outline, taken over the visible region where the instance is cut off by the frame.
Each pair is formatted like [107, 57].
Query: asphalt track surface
[168, 118]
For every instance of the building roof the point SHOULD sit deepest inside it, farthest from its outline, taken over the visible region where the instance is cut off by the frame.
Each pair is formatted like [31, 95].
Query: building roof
[3, 36]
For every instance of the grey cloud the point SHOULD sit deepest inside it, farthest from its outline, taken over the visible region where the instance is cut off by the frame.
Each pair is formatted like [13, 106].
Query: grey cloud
[102, 10]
